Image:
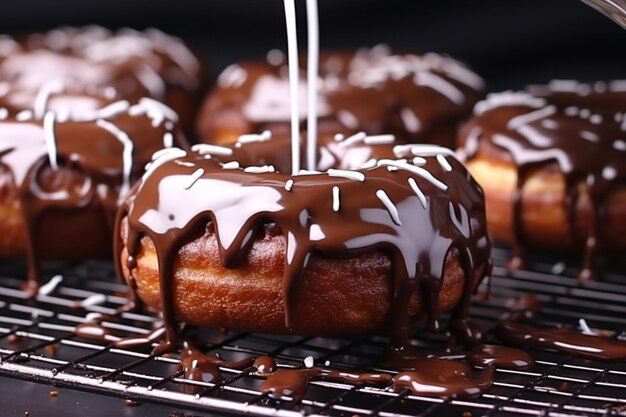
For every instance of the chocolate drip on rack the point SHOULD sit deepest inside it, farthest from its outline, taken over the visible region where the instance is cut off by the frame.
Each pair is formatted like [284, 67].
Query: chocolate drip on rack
[402, 209]
[574, 128]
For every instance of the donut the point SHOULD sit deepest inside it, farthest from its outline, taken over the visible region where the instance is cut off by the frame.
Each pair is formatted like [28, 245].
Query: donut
[418, 98]
[133, 64]
[65, 163]
[552, 163]
[213, 243]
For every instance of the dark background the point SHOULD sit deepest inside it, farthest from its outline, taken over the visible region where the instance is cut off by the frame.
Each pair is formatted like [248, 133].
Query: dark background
[509, 42]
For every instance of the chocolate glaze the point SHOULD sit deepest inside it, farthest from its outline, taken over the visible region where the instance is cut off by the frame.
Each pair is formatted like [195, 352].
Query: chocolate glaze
[402, 209]
[575, 128]
[127, 63]
[562, 340]
[419, 98]
[499, 356]
[66, 167]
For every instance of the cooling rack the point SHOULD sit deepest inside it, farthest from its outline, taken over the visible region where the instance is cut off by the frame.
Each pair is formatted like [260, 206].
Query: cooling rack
[38, 343]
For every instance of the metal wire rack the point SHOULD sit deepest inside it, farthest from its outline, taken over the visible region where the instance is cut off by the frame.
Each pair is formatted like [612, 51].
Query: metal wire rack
[38, 343]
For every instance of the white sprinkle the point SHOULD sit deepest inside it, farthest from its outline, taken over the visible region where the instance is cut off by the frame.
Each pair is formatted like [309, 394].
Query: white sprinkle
[127, 154]
[260, 169]
[289, 184]
[590, 136]
[371, 163]
[168, 139]
[558, 268]
[24, 115]
[4, 113]
[93, 300]
[336, 200]
[357, 137]
[351, 175]
[275, 57]
[194, 363]
[233, 76]
[421, 150]
[524, 119]
[391, 208]
[231, 165]
[51, 144]
[348, 119]
[419, 161]
[582, 323]
[596, 119]
[339, 137]
[410, 120]
[309, 362]
[444, 163]
[392, 168]
[254, 137]
[193, 178]
[584, 113]
[571, 111]
[93, 316]
[418, 192]
[609, 173]
[43, 95]
[151, 79]
[620, 145]
[379, 139]
[205, 148]
[327, 363]
[308, 172]
[51, 285]
[618, 85]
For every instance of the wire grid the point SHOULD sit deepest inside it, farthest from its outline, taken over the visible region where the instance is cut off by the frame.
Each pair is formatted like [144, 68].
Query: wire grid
[37, 343]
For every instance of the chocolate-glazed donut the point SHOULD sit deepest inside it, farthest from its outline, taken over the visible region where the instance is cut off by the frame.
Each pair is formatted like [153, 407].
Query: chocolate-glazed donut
[553, 167]
[65, 163]
[133, 64]
[418, 98]
[344, 252]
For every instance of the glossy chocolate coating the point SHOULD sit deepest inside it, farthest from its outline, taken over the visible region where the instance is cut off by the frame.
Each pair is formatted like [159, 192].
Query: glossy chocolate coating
[65, 167]
[130, 63]
[418, 98]
[577, 129]
[415, 212]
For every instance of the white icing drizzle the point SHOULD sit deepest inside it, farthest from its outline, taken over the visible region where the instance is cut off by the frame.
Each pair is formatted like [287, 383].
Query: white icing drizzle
[308, 172]
[50, 138]
[312, 78]
[110, 110]
[391, 208]
[463, 224]
[402, 164]
[51, 285]
[379, 139]
[156, 111]
[439, 84]
[336, 199]
[162, 156]
[151, 79]
[508, 98]
[127, 153]
[350, 140]
[292, 56]
[527, 118]
[275, 57]
[419, 193]
[193, 178]
[43, 95]
[344, 173]
[204, 149]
